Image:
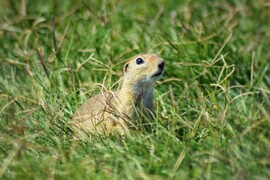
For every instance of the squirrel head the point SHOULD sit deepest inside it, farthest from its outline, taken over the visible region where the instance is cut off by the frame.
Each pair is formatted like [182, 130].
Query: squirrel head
[143, 70]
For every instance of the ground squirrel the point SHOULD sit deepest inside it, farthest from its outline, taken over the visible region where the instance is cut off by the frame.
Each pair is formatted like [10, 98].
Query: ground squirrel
[110, 112]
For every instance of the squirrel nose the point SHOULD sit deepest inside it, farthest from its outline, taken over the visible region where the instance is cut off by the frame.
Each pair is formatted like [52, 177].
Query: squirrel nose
[161, 65]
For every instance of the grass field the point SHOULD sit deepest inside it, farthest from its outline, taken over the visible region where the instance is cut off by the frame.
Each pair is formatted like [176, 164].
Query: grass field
[212, 103]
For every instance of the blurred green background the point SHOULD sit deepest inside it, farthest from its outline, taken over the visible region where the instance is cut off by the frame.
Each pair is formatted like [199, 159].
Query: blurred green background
[212, 102]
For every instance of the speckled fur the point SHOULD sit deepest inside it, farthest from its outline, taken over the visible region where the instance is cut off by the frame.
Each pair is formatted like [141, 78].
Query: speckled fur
[111, 112]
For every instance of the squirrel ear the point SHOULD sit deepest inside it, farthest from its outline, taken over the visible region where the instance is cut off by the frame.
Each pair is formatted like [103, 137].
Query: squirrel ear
[125, 67]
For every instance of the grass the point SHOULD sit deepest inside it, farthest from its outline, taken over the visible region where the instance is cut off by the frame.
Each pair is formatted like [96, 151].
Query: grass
[213, 101]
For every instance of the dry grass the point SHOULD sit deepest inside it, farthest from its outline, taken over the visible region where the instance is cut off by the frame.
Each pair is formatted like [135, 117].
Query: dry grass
[213, 100]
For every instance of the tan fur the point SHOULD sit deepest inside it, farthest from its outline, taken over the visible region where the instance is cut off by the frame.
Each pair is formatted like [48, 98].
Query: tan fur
[111, 112]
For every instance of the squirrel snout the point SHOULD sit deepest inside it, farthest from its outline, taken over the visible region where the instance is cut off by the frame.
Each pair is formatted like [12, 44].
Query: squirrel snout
[161, 65]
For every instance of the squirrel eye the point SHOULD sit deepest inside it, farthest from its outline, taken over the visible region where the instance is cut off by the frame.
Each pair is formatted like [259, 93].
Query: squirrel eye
[139, 61]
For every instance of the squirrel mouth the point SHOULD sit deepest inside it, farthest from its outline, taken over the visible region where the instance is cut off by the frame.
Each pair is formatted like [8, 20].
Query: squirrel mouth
[159, 73]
